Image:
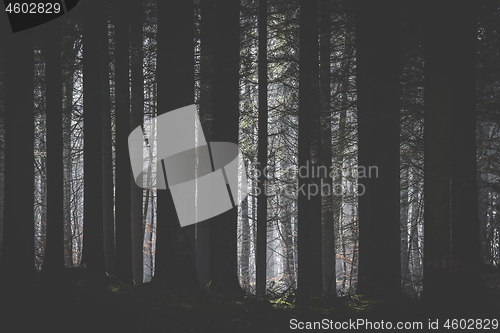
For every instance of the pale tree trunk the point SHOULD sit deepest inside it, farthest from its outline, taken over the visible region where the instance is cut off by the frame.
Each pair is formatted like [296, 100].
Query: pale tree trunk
[68, 60]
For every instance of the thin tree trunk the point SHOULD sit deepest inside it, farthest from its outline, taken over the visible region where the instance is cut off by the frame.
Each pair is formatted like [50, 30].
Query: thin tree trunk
[327, 191]
[261, 256]
[107, 173]
[205, 103]
[225, 112]
[136, 119]
[123, 171]
[318, 171]
[95, 44]
[437, 155]
[308, 218]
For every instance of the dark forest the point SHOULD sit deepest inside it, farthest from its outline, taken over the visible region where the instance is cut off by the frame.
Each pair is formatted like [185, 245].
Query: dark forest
[364, 193]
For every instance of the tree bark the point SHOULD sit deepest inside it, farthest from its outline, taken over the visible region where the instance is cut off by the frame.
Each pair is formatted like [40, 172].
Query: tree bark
[309, 204]
[261, 256]
[464, 188]
[437, 146]
[17, 265]
[107, 173]
[327, 219]
[95, 44]
[225, 112]
[175, 251]
[54, 248]
[136, 119]
[378, 68]
[205, 104]
[245, 246]
[123, 171]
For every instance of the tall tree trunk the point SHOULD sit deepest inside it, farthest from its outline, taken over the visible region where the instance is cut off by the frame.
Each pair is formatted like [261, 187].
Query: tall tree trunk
[318, 171]
[107, 172]
[136, 119]
[205, 104]
[17, 265]
[378, 65]
[464, 188]
[327, 220]
[309, 196]
[175, 251]
[437, 154]
[261, 256]
[54, 248]
[123, 171]
[95, 44]
[225, 112]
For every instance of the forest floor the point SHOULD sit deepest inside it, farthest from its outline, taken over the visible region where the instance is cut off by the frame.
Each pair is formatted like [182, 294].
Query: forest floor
[77, 303]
